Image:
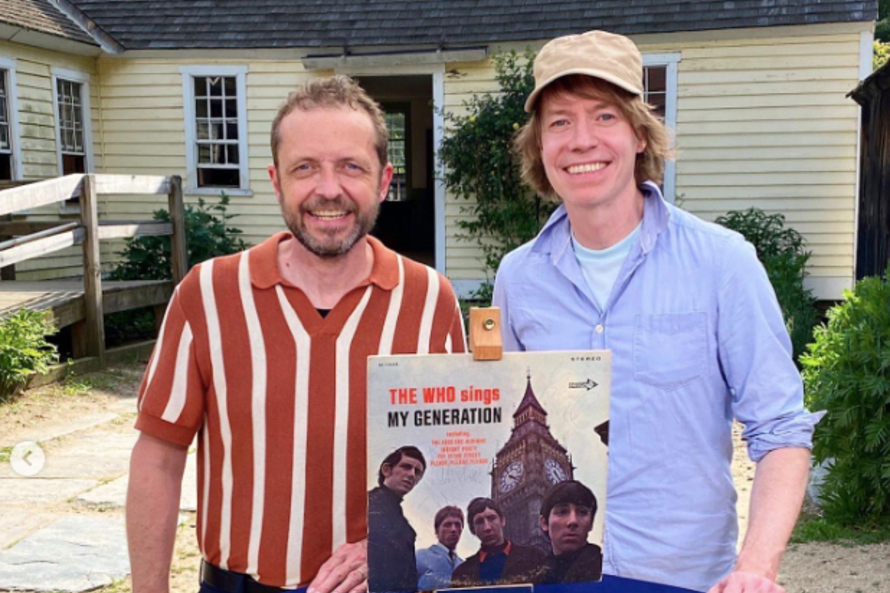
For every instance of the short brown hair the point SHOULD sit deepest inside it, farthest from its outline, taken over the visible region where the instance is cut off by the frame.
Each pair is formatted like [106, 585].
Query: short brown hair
[336, 91]
[647, 127]
[444, 513]
[478, 505]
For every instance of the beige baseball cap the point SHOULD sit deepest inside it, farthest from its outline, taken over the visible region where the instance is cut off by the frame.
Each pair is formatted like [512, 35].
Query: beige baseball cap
[610, 57]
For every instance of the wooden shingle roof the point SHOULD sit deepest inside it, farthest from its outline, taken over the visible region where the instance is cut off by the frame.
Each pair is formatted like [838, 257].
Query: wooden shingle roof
[182, 24]
[44, 17]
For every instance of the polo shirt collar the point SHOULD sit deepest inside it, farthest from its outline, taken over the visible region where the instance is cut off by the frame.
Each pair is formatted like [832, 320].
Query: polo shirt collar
[264, 272]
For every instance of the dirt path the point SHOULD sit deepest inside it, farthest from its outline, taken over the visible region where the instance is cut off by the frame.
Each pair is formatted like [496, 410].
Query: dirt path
[65, 416]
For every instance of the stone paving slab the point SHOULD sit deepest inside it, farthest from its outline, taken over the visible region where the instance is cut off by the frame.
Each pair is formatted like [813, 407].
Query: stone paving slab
[74, 554]
[41, 490]
[114, 494]
[54, 430]
[98, 455]
[17, 521]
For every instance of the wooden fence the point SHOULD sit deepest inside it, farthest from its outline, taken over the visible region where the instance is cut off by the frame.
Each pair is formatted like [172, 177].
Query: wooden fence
[84, 309]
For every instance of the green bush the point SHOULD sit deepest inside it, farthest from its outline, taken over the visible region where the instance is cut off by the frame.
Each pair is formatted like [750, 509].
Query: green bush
[480, 166]
[847, 373]
[24, 349]
[783, 253]
[208, 235]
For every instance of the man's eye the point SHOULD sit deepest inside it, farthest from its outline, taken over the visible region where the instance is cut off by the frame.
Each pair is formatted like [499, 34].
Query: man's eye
[608, 117]
[559, 123]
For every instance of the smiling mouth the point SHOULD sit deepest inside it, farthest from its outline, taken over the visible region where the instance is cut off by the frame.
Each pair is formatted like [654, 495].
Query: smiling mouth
[330, 214]
[585, 168]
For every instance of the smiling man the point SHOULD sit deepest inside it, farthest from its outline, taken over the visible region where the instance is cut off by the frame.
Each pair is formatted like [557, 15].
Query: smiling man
[696, 333]
[263, 356]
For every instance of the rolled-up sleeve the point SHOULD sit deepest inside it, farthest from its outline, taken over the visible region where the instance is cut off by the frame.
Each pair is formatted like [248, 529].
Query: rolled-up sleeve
[756, 357]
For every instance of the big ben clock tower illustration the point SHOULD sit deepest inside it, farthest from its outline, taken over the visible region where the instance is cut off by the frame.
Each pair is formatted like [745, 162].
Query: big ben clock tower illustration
[530, 462]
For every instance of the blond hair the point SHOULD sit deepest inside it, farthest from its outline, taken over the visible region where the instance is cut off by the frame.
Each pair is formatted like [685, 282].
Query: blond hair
[646, 126]
[336, 91]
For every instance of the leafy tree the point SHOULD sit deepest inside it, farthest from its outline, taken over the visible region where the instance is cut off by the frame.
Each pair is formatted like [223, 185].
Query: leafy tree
[207, 235]
[502, 212]
[881, 54]
[882, 28]
[847, 373]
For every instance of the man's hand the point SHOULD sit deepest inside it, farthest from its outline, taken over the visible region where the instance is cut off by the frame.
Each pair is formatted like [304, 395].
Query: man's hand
[344, 572]
[746, 582]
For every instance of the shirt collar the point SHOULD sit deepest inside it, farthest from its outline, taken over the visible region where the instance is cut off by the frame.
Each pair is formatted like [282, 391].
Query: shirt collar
[264, 272]
[556, 236]
[506, 551]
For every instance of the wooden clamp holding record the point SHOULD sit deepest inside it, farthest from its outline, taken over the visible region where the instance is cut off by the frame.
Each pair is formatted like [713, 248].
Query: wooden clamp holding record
[485, 333]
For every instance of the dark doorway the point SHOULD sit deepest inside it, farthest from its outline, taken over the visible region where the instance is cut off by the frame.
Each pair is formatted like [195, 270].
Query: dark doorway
[407, 217]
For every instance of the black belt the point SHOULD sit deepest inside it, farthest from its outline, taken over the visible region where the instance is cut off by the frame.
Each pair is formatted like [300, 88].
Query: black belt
[235, 582]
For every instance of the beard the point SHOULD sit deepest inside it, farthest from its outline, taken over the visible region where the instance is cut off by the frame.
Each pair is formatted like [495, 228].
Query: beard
[325, 244]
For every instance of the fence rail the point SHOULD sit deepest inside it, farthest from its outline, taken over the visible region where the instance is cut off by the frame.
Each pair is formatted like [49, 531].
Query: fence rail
[33, 239]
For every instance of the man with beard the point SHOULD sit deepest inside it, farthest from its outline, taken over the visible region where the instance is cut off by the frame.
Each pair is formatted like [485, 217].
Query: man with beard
[391, 538]
[263, 356]
[436, 563]
[567, 513]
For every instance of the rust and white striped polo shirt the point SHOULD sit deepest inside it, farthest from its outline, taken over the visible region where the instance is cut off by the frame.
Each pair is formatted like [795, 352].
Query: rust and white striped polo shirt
[277, 397]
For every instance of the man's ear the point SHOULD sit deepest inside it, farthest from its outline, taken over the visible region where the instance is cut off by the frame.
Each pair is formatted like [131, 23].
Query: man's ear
[386, 470]
[385, 180]
[276, 181]
[543, 523]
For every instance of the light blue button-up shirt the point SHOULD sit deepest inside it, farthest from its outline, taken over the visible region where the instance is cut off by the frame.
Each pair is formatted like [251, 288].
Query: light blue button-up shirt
[697, 339]
[434, 567]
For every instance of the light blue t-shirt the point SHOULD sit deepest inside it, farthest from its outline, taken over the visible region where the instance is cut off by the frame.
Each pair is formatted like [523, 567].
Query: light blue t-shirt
[601, 266]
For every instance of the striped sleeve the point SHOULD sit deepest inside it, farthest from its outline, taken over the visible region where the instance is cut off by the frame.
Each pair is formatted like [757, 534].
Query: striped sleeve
[171, 397]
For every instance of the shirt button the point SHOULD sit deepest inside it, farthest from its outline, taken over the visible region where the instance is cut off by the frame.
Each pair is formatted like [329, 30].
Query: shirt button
[600, 329]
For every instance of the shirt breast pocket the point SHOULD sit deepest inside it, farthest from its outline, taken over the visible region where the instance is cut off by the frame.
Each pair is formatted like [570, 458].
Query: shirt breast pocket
[670, 349]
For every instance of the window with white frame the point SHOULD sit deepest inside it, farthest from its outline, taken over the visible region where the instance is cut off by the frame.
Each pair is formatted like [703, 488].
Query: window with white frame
[10, 148]
[71, 108]
[7, 161]
[216, 128]
[660, 91]
[72, 140]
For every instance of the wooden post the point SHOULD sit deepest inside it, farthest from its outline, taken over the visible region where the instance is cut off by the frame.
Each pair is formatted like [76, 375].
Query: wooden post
[179, 262]
[485, 333]
[92, 271]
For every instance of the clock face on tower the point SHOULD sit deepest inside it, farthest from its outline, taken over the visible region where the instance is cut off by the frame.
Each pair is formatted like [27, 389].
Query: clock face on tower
[511, 477]
[554, 471]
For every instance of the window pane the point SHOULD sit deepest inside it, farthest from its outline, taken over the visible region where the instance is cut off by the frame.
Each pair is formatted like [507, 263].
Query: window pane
[218, 178]
[231, 131]
[216, 87]
[232, 151]
[3, 116]
[6, 167]
[201, 109]
[657, 79]
[230, 86]
[217, 155]
[200, 86]
[216, 108]
[231, 108]
[4, 137]
[203, 130]
[216, 130]
[203, 153]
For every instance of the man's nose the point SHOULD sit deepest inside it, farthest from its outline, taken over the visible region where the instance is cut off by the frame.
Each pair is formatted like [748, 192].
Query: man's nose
[328, 183]
[573, 518]
[585, 135]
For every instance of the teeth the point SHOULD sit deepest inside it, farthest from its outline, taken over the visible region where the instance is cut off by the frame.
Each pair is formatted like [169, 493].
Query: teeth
[330, 215]
[588, 168]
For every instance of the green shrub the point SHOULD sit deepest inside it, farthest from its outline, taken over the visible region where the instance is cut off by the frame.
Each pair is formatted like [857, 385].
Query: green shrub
[207, 235]
[847, 373]
[783, 253]
[24, 349]
[480, 166]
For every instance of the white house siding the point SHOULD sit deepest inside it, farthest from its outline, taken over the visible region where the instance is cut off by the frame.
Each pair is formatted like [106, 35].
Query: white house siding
[37, 138]
[763, 120]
